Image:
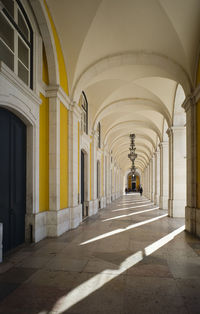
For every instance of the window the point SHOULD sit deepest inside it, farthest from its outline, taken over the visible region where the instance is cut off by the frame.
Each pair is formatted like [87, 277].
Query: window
[99, 134]
[16, 40]
[84, 106]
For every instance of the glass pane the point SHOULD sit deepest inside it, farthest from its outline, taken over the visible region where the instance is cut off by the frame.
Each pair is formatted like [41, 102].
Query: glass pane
[6, 56]
[22, 25]
[23, 73]
[23, 52]
[9, 6]
[6, 32]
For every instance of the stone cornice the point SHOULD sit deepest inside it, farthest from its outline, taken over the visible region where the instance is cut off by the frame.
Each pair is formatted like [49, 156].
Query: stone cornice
[76, 110]
[18, 83]
[161, 144]
[172, 129]
[53, 91]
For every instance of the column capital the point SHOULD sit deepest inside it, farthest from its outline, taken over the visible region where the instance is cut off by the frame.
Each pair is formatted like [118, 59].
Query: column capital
[189, 102]
[163, 144]
[157, 151]
[74, 108]
[56, 91]
[173, 129]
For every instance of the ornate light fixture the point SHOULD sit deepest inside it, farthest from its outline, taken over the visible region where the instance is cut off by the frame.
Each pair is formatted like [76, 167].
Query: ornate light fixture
[132, 155]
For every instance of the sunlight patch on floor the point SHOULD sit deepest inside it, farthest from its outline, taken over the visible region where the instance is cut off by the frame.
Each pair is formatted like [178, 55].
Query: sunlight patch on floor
[98, 281]
[128, 215]
[132, 207]
[117, 231]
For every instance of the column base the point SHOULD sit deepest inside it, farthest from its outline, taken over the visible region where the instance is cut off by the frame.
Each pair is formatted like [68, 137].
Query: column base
[108, 199]
[156, 199]
[163, 202]
[192, 220]
[152, 197]
[35, 227]
[176, 208]
[58, 221]
[103, 202]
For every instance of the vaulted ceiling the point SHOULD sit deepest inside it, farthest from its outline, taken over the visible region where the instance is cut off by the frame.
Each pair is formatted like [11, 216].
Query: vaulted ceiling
[129, 56]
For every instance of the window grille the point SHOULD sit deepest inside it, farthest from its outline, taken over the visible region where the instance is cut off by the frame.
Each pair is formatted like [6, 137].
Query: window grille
[84, 119]
[16, 40]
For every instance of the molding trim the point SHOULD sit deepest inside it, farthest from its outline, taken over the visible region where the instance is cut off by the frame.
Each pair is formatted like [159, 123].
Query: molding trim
[54, 91]
[18, 83]
[73, 107]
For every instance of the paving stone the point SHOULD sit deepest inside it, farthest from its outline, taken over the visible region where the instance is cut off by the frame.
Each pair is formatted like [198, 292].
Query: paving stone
[107, 267]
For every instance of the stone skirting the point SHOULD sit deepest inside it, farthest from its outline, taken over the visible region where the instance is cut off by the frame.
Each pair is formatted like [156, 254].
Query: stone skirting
[35, 227]
[163, 202]
[192, 220]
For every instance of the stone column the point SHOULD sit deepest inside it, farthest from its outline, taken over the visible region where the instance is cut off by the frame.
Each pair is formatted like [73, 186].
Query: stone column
[191, 128]
[153, 178]
[150, 179]
[145, 183]
[94, 172]
[108, 179]
[148, 182]
[74, 166]
[177, 171]
[164, 175]
[157, 178]
[142, 179]
[54, 153]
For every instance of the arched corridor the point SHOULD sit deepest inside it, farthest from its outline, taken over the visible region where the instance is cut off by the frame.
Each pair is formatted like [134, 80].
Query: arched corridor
[130, 258]
[99, 100]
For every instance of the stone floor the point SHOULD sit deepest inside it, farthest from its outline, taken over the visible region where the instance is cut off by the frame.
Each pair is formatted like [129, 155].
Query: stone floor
[130, 258]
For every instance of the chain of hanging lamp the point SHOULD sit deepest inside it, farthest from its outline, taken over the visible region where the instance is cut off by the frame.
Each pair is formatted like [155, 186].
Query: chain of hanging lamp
[132, 155]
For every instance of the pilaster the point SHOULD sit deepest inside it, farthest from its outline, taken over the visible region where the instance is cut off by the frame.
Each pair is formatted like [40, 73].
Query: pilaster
[191, 198]
[157, 177]
[177, 171]
[164, 175]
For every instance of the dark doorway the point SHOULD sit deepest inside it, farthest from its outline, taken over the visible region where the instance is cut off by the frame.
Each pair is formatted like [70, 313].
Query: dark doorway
[133, 186]
[12, 179]
[98, 179]
[82, 182]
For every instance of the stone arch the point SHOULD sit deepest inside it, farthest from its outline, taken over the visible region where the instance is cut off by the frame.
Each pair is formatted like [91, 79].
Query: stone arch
[145, 124]
[24, 103]
[47, 37]
[172, 70]
[143, 103]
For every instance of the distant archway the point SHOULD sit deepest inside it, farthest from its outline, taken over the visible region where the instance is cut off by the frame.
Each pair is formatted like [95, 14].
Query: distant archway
[133, 182]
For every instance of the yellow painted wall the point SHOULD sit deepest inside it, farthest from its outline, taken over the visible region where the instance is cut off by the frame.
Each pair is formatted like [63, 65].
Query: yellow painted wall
[44, 155]
[78, 157]
[45, 73]
[61, 62]
[63, 156]
[129, 183]
[137, 182]
[90, 171]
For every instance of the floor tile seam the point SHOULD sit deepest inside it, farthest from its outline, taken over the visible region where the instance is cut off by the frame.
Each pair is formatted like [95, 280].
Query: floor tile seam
[39, 286]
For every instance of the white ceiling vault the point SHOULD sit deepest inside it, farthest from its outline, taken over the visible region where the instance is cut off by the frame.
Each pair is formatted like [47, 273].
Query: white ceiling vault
[129, 57]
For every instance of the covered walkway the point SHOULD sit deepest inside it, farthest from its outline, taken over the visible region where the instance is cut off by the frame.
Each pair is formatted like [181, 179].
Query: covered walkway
[129, 258]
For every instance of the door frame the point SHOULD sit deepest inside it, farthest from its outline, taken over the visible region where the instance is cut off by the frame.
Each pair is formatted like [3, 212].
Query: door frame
[25, 104]
[85, 201]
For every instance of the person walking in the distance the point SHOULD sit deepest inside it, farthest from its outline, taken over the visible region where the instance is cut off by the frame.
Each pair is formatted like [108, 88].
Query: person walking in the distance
[141, 190]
